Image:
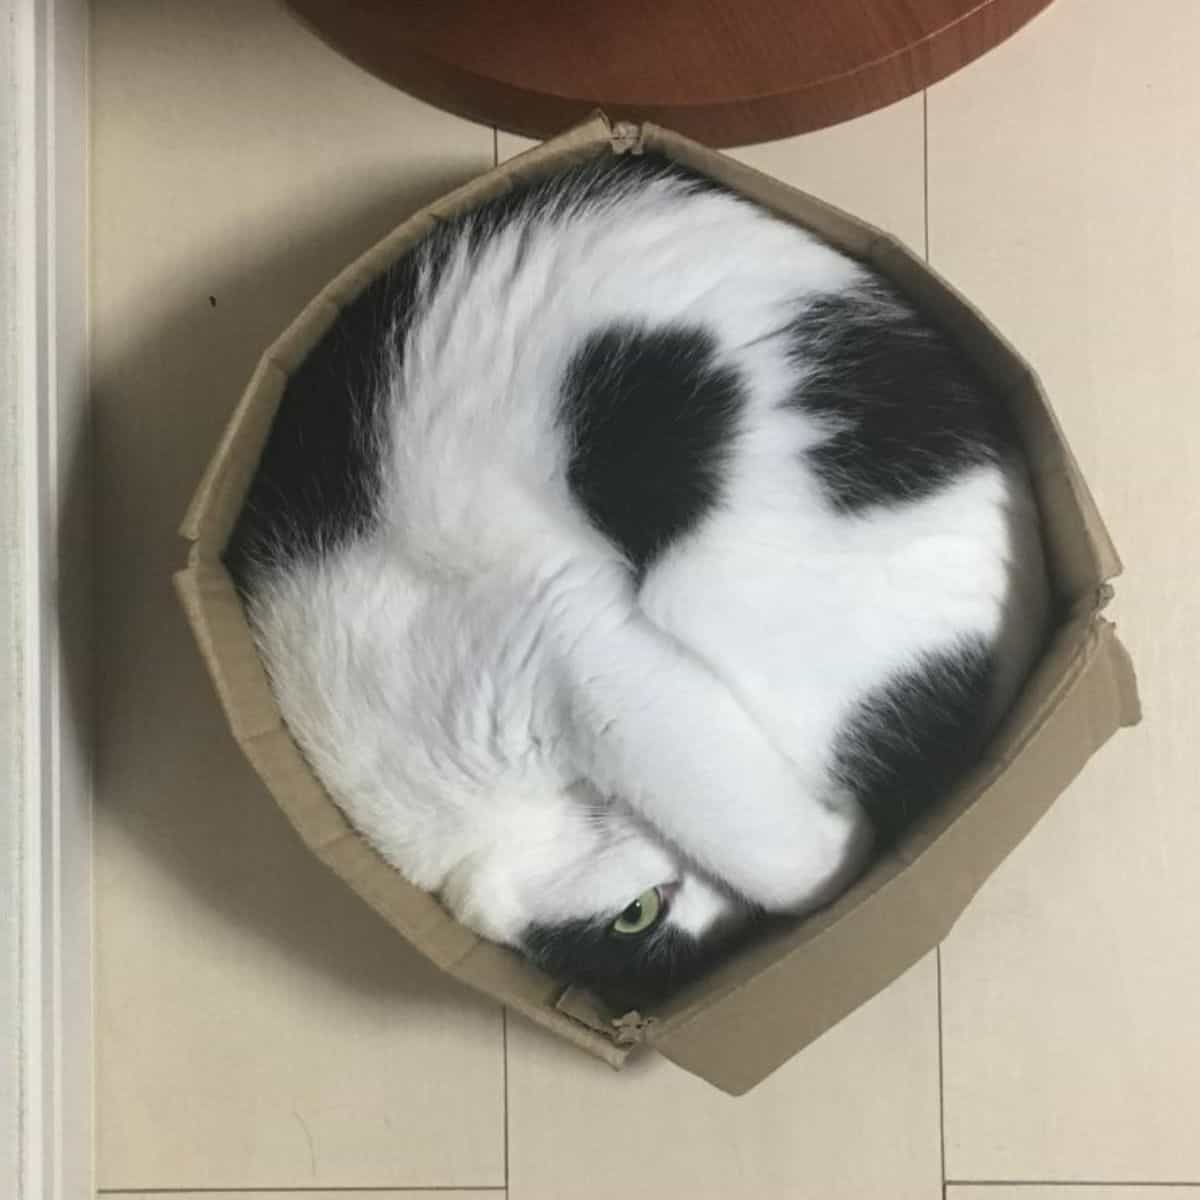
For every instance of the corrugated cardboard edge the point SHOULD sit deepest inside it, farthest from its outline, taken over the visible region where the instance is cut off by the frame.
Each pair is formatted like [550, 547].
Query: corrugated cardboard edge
[714, 1038]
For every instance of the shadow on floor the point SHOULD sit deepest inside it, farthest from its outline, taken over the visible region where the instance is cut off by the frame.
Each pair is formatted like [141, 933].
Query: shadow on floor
[170, 780]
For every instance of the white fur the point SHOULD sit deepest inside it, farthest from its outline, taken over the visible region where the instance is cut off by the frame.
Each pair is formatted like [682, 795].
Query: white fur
[478, 684]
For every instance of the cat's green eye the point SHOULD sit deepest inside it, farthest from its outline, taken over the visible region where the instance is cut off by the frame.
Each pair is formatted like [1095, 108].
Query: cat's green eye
[643, 914]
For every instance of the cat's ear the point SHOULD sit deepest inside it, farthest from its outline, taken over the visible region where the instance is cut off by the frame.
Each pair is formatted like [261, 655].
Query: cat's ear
[652, 724]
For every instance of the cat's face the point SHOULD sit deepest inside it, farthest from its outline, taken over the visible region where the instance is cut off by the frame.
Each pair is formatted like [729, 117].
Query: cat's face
[667, 936]
[594, 898]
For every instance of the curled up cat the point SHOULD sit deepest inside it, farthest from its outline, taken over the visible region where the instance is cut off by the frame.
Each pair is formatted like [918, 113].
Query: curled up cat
[629, 565]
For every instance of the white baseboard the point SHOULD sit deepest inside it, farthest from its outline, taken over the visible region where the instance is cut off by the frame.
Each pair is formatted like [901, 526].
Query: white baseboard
[45, 806]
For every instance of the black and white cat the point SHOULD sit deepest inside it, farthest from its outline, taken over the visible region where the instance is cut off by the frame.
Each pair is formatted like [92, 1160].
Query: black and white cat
[627, 562]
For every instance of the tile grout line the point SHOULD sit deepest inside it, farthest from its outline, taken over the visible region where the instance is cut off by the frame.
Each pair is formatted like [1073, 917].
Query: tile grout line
[504, 1042]
[440, 1190]
[1107, 1184]
[941, 1075]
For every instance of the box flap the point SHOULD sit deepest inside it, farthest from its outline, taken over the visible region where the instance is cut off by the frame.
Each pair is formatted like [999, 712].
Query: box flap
[737, 1040]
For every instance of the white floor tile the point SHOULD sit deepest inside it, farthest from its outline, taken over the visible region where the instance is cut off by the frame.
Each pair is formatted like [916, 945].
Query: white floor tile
[257, 1025]
[854, 1117]
[1063, 185]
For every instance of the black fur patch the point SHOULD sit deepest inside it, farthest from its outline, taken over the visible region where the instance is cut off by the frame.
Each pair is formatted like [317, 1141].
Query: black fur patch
[628, 972]
[909, 409]
[318, 481]
[911, 739]
[650, 417]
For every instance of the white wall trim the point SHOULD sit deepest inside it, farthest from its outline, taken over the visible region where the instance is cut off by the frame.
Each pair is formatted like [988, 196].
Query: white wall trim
[45, 808]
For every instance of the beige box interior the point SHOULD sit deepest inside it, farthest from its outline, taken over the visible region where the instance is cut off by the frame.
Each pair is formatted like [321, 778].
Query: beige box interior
[762, 1006]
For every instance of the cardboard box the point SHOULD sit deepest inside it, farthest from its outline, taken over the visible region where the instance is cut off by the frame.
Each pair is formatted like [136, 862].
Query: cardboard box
[762, 1006]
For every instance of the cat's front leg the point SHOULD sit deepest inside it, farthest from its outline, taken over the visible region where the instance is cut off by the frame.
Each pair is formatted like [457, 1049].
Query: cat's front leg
[650, 723]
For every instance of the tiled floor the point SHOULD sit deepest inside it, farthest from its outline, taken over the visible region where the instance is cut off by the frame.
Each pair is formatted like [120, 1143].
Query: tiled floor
[260, 1030]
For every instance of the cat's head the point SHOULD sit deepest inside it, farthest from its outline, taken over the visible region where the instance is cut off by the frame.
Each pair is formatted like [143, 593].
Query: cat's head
[594, 898]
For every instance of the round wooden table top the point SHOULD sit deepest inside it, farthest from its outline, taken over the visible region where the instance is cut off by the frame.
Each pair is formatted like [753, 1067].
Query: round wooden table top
[726, 72]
